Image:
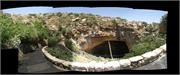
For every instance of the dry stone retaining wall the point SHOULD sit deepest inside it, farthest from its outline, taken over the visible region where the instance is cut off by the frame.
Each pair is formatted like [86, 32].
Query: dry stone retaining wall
[94, 66]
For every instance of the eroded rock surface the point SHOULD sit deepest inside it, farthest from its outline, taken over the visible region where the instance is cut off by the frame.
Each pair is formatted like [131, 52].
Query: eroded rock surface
[82, 26]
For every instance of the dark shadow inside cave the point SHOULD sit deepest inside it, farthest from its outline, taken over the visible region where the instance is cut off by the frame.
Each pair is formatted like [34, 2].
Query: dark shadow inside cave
[118, 48]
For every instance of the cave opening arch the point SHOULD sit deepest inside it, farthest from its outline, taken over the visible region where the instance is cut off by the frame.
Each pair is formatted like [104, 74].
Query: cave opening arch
[118, 48]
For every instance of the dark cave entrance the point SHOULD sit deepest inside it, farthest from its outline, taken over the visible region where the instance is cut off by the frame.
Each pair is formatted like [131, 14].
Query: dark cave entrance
[118, 48]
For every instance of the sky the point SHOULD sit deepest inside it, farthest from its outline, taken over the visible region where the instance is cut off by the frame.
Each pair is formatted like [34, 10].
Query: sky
[130, 14]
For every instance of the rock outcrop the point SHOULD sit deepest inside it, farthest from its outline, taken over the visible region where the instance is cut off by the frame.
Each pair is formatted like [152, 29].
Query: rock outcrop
[79, 27]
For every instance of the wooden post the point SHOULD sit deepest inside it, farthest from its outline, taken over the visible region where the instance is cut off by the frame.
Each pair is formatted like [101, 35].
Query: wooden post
[110, 49]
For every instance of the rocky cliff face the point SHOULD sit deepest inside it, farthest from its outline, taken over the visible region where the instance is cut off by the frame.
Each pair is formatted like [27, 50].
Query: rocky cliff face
[81, 26]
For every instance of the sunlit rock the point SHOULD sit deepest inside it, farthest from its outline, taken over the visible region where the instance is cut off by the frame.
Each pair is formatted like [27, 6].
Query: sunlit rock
[124, 63]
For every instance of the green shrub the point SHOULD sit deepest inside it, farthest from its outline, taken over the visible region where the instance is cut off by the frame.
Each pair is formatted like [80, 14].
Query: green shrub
[9, 36]
[146, 44]
[59, 53]
[42, 32]
[35, 31]
[52, 41]
[53, 38]
[71, 45]
[12, 34]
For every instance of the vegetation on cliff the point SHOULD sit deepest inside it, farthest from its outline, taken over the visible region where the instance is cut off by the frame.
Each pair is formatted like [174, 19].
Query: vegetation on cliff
[52, 28]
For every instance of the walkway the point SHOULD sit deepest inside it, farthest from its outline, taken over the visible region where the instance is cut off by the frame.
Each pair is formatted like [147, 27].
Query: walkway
[160, 63]
[35, 62]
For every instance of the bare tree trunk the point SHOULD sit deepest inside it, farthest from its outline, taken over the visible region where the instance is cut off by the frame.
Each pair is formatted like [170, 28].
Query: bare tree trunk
[110, 49]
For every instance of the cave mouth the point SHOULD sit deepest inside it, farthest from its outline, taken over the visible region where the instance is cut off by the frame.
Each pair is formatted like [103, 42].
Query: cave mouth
[118, 48]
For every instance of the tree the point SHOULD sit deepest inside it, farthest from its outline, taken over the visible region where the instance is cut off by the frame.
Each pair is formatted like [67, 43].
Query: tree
[163, 24]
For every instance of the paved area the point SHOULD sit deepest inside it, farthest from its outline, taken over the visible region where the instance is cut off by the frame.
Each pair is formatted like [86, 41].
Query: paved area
[160, 63]
[35, 62]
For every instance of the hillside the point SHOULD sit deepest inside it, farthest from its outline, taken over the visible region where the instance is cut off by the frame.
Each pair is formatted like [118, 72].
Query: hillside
[76, 33]
[68, 25]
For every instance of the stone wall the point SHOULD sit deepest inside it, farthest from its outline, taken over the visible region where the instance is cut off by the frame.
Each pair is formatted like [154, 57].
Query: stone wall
[121, 64]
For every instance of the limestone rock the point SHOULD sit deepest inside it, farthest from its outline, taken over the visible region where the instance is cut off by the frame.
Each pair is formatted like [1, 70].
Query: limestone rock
[107, 66]
[124, 63]
[81, 40]
[83, 20]
[112, 65]
[158, 51]
[149, 56]
[52, 23]
[136, 61]
[136, 58]
[75, 19]
[115, 65]
[91, 66]
[99, 66]
[163, 47]
[77, 66]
